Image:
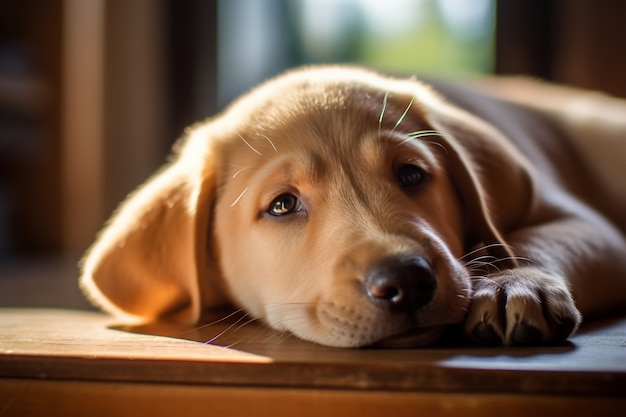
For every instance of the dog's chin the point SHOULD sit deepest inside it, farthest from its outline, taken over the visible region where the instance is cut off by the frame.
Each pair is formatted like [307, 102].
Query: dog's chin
[416, 337]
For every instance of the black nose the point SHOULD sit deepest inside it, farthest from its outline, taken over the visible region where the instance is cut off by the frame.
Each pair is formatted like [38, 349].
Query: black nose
[401, 284]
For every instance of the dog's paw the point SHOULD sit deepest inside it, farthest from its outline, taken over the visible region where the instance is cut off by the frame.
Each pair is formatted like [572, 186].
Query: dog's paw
[521, 307]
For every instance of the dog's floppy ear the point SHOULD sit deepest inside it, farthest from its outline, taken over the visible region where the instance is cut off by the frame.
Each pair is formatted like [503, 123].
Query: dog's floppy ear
[492, 180]
[154, 258]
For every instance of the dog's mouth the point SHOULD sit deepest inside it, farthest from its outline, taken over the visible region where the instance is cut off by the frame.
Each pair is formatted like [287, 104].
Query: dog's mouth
[415, 337]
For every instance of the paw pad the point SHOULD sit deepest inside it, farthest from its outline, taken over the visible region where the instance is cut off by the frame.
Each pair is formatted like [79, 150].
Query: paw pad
[526, 335]
[486, 335]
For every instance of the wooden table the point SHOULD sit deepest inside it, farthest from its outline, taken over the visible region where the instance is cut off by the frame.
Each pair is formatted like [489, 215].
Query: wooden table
[64, 362]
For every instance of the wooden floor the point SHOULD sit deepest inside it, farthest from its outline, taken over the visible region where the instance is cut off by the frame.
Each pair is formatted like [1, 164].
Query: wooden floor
[72, 362]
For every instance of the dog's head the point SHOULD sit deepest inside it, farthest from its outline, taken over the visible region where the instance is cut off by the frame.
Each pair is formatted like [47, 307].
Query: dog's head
[334, 203]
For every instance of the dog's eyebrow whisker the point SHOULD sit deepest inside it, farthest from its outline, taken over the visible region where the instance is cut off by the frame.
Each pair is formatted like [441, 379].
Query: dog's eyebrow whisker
[430, 142]
[406, 111]
[422, 134]
[239, 172]
[250, 146]
[271, 143]
[382, 111]
[234, 203]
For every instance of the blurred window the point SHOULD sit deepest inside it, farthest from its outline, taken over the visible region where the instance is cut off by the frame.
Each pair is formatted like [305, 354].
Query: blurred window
[434, 37]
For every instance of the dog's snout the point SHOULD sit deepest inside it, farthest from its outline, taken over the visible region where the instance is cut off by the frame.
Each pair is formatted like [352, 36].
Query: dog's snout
[401, 285]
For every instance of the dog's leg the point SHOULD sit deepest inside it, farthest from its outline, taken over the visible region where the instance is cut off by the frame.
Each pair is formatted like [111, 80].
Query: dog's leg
[574, 263]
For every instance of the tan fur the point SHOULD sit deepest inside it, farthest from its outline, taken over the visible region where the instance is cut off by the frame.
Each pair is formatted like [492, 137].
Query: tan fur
[512, 246]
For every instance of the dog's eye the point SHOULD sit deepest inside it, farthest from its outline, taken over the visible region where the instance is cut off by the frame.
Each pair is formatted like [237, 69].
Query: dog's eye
[410, 175]
[284, 204]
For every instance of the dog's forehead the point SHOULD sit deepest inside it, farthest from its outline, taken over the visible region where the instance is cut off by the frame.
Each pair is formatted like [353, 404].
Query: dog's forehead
[322, 92]
[320, 102]
[328, 109]
[344, 119]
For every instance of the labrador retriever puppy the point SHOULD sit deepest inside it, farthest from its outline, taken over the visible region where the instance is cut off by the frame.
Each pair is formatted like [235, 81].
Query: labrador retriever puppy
[354, 209]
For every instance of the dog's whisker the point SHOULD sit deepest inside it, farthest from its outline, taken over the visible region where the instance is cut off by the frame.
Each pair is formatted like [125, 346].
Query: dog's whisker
[482, 260]
[424, 133]
[476, 266]
[234, 203]
[485, 247]
[239, 172]
[382, 111]
[232, 328]
[489, 267]
[488, 261]
[421, 134]
[250, 146]
[271, 143]
[406, 111]
[483, 257]
[493, 265]
[194, 329]
[430, 142]
[215, 322]
[287, 335]
[255, 335]
[232, 325]
[281, 337]
[470, 253]
[478, 277]
[516, 258]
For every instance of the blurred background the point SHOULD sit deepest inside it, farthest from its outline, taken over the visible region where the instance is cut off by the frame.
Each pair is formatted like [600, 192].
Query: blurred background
[93, 93]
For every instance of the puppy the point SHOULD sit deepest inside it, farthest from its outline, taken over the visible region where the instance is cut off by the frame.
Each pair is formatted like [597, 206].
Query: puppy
[352, 209]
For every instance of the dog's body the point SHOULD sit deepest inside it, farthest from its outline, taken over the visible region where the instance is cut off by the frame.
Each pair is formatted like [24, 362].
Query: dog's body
[352, 209]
